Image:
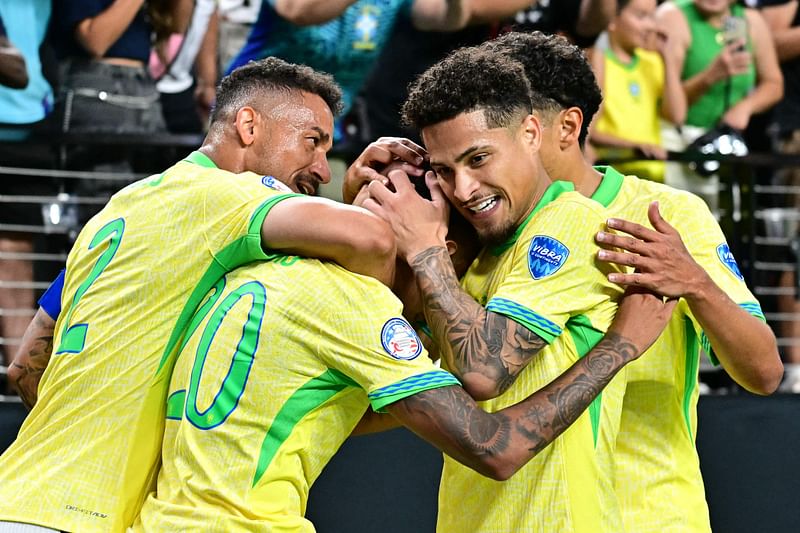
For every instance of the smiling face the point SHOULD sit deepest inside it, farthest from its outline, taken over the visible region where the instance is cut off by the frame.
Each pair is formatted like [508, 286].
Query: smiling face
[292, 140]
[492, 176]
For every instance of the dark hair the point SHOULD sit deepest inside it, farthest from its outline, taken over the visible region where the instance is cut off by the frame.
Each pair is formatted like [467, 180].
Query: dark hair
[559, 73]
[469, 79]
[272, 74]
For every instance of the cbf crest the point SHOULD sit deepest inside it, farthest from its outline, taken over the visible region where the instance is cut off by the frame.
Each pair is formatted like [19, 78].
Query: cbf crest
[726, 256]
[545, 256]
[400, 340]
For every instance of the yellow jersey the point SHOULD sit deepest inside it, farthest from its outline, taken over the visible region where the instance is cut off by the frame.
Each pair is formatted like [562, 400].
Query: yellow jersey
[546, 278]
[632, 95]
[284, 360]
[657, 468]
[87, 453]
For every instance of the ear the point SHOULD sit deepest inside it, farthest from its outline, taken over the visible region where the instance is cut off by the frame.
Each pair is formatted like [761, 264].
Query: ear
[532, 130]
[570, 127]
[452, 247]
[245, 124]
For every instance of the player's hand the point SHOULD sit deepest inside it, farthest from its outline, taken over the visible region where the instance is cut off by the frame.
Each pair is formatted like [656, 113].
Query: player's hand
[641, 317]
[378, 159]
[662, 262]
[418, 223]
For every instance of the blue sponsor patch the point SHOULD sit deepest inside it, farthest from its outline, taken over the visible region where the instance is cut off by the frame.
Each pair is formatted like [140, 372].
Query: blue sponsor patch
[400, 340]
[726, 256]
[273, 183]
[545, 256]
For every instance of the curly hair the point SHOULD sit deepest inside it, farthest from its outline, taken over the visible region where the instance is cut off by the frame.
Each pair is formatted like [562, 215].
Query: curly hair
[271, 74]
[467, 80]
[558, 71]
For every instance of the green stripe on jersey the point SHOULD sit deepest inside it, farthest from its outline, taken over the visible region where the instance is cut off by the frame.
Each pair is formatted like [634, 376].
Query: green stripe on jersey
[307, 398]
[690, 376]
[243, 250]
[586, 336]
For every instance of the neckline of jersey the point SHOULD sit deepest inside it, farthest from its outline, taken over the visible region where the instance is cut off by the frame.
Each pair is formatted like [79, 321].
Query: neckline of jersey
[609, 186]
[199, 158]
[553, 191]
[616, 59]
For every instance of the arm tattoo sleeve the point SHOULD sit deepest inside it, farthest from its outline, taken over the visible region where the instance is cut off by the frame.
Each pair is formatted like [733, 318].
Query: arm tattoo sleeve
[449, 418]
[478, 341]
[32, 359]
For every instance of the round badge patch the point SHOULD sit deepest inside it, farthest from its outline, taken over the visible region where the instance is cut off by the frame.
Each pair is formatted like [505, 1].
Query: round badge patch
[545, 256]
[400, 340]
[726, 256]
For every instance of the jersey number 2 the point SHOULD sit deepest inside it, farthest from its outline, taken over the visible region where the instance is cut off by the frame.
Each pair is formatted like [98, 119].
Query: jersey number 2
[73, 338]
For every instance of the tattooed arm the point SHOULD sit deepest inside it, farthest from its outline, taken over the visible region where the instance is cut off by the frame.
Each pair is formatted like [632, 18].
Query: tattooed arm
[485, 350]
[498, 444]
[32, 357]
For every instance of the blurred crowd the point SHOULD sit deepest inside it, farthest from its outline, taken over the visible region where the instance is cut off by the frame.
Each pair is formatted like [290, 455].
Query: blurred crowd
[675, 75]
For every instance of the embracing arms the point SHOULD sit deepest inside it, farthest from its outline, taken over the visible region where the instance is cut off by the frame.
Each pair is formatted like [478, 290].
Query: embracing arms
[744, 345]
[498, 444]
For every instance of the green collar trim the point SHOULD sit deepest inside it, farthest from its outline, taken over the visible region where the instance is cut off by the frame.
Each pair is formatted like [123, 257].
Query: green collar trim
[199, 158]
[553, 191]
[627, 66]
[609, 186]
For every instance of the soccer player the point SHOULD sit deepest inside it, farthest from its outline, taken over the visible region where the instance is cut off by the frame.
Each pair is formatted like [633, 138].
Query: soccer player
[273, 379]
[531, 304]
[87, 453]
[658, 478]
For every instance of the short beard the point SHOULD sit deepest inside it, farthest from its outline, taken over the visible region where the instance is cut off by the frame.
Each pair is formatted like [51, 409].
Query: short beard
[495, 236]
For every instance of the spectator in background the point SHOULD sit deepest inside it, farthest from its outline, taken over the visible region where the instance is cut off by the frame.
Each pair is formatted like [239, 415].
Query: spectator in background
[236, 19]
[638, 87]
[23, 107]
[13, 72]
[104, 47]
[727, 75]
[342, 37]
[408, 53]
[581, 21]
[783, 20]
[184, 79]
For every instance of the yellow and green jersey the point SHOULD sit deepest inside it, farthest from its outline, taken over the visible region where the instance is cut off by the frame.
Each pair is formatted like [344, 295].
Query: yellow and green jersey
[547, 279]
[283, 359]
[87, 453]
[632, 94]
[656, 464]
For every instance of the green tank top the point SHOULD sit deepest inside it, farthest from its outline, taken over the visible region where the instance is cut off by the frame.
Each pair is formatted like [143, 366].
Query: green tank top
[707, 42]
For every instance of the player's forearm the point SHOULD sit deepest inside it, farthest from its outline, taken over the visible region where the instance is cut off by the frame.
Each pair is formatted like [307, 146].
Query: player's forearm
[744, 345]
[350, 236]
[485, 350]
[311, 12]
[499, 444]
[373, 422]
[32, 357]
